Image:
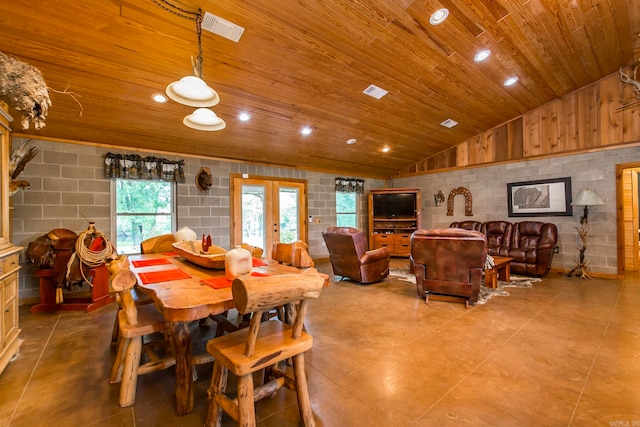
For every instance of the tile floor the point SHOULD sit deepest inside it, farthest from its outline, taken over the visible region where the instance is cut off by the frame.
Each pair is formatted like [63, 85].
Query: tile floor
[563, 353]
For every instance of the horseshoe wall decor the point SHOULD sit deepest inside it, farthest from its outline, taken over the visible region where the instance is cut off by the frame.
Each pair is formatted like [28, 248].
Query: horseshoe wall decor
[468, 202]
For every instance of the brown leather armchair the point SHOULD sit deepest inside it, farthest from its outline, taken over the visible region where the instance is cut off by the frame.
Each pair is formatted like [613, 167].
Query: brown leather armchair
[532, 247]
[449, 262]
[498, 235]
[350, 258]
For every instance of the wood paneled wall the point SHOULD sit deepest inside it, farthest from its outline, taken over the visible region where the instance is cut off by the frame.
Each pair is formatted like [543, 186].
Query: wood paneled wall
[587, 119]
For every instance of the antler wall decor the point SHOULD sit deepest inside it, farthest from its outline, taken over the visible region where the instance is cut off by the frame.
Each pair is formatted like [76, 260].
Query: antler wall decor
[625, 77]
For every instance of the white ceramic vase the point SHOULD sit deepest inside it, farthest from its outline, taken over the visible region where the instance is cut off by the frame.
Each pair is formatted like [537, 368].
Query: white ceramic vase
[237, 261]
[185, 233]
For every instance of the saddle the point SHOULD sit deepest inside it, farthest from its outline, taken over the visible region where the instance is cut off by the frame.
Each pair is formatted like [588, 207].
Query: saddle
[53, 251]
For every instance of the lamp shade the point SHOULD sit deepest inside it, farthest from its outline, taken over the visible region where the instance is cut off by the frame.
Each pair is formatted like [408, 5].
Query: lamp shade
[587, 198]
[204, 119]
[193, 92]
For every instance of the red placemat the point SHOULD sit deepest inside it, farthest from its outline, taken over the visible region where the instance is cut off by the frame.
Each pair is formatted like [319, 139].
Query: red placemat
[149, 262]
[223, 282]
[163, 276]
[172, 253]
[257, 262]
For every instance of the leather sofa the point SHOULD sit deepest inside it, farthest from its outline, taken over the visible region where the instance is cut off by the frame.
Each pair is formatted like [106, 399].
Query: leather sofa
[531, 244]
[350, 258]
[448, 262]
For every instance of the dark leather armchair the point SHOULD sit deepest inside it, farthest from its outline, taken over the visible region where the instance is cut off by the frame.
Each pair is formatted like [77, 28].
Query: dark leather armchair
[498, 234]
[350, 258]
[449, 262]
[532, 247]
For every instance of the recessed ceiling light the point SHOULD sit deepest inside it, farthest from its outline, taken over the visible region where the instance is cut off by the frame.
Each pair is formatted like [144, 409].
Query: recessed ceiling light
[243, 117]
[385, 149]
[351, 141]
[306, 130]
[510, 81]
[482, 55]
[439, 16]
[158, 97]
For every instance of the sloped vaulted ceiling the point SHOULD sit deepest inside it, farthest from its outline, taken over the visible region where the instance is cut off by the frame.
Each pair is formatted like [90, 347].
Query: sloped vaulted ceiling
[306, 63]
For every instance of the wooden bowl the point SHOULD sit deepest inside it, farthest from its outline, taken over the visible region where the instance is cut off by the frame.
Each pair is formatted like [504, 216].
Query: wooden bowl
[191, 250]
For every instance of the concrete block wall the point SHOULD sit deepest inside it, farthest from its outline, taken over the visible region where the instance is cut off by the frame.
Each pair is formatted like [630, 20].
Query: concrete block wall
[68, 188]
[488, 186]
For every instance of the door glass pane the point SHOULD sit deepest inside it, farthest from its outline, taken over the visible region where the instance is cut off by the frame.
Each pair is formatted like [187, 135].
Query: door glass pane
[289, 215]
[253, 209]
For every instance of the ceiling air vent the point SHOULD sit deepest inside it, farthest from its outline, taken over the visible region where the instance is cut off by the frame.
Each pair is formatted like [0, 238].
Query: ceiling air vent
[222, 27]
[449, 123]
[375, 92]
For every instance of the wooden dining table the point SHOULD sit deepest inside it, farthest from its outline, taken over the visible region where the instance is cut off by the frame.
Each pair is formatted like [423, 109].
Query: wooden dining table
[187, 299]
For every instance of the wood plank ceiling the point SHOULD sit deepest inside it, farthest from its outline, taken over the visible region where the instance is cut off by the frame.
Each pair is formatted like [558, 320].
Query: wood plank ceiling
[306, 63]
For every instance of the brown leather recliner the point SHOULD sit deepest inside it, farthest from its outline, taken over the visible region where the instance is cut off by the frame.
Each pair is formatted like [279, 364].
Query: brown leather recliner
[350, 258]
[449, 262]
[532, 247]
[498, 234]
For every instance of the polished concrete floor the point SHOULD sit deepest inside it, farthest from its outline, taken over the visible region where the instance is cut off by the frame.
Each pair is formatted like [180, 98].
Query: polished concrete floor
[565, 352]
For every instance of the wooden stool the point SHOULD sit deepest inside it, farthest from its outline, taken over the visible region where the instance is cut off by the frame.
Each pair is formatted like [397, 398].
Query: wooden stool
[134, 323]
[263, 345]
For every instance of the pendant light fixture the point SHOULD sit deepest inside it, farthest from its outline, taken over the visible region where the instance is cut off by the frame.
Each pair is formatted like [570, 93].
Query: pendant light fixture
[192, 90]
[204, 119]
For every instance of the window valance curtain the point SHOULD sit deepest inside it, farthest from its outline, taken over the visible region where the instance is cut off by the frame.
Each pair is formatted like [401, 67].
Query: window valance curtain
[132, 166]
[350, 185]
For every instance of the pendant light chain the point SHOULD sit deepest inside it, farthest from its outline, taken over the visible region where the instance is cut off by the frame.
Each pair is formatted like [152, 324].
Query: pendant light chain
[177, 10]
[192, 16]
[197, 67]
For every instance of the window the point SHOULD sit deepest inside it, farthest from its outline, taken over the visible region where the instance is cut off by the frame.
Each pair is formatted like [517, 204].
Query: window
[346, 209]
[142, 209]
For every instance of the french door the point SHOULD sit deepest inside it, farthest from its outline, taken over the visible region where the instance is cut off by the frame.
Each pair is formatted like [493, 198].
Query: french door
[264, 211]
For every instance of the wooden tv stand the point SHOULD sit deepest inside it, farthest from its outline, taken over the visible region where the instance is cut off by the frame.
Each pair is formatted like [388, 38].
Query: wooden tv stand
[394, 233]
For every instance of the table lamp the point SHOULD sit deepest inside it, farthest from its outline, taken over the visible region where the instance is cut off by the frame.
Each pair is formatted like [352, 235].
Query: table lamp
[585, 198]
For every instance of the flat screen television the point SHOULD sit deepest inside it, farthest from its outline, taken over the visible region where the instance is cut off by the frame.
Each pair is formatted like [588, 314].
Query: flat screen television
[394, 206]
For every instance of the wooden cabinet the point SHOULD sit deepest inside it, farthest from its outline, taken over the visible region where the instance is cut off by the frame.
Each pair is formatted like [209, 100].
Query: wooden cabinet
[9, 256]
[394, 213]
[9, 339]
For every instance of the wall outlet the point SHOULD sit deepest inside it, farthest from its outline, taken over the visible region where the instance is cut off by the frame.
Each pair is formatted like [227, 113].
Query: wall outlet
[556, 250]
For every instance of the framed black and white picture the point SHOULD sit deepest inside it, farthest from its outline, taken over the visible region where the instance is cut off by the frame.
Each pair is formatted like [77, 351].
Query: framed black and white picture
[547, 197]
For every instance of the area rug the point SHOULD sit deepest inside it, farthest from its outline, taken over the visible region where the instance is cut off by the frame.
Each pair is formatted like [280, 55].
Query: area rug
[485, 293]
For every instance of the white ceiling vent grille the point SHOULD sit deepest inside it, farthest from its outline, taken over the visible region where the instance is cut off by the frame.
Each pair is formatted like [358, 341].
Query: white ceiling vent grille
[375, 92]
[221, 27]
[449, 123]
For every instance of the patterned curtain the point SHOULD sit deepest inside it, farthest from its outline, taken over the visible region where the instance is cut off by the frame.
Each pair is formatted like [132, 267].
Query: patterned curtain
[132, 166]
[350, 185]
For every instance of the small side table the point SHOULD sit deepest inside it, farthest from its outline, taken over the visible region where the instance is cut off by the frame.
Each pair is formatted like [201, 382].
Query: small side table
[501, 270]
